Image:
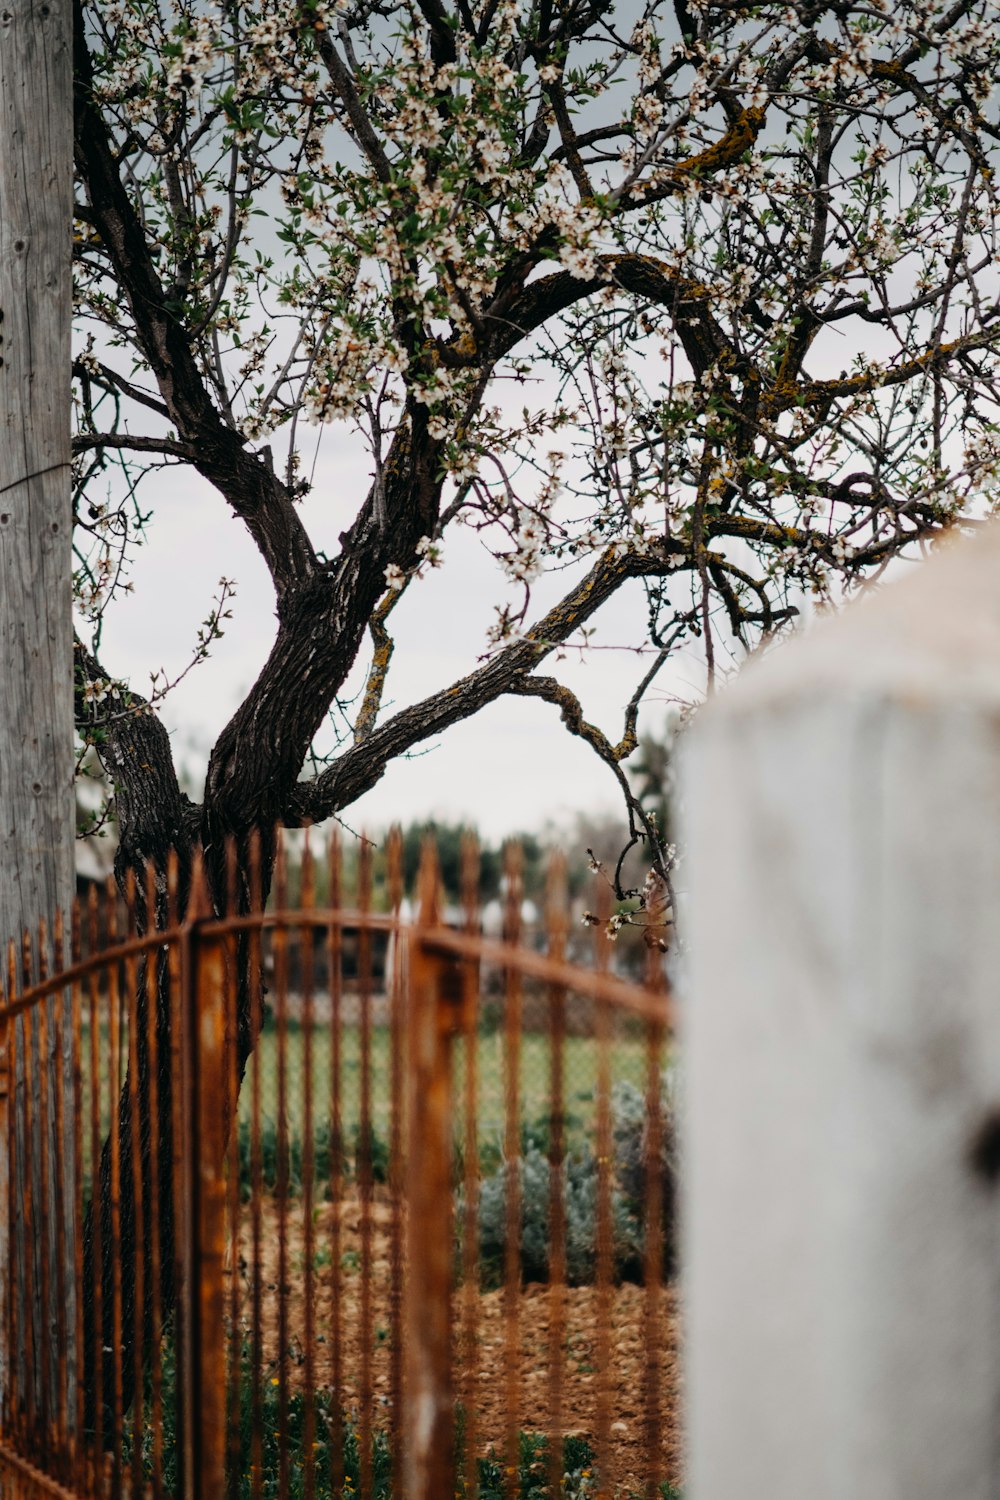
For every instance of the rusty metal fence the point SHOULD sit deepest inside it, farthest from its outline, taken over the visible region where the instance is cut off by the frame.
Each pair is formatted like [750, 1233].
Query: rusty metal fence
[319, 1199]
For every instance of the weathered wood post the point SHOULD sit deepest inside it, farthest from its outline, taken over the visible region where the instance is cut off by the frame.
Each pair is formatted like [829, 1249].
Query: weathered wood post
[842, 1047]
[432, 1015]
[203, 977]
[36, 641]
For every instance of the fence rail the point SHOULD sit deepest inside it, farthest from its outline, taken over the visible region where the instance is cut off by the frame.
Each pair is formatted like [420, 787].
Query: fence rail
[330, 1202]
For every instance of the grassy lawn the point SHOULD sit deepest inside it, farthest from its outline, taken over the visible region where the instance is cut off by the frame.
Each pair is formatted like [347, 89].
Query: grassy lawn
[580, 1061]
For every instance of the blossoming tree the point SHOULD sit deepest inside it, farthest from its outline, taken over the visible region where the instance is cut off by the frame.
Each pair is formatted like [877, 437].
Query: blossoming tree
[748, 246]
[744, 252]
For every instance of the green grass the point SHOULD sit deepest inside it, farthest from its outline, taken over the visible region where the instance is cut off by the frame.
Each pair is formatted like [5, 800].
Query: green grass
[335, 1438]
[580, 1063]
[580, 1067]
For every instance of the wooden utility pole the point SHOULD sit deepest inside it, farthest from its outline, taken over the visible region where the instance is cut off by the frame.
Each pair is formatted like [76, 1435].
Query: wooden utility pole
[36, 643]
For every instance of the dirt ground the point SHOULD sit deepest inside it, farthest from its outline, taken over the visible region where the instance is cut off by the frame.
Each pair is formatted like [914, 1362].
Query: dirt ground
[486, 1382]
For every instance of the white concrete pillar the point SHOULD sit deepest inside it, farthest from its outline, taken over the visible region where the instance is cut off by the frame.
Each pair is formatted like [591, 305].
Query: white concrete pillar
[842, 1042]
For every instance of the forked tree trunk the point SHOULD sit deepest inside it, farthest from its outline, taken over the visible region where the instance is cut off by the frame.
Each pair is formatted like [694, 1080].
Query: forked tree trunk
[36, 718]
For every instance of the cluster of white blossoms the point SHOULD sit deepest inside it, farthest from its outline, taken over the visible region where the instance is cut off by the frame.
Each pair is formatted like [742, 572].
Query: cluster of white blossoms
[430, 551]
[92, 587]
[981, 458]
[98, 689]
[190, 57]
[525, 562]
[347, 366]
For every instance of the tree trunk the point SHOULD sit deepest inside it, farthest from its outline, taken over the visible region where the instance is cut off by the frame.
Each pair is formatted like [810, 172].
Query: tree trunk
[118, 1233]
[36, 727]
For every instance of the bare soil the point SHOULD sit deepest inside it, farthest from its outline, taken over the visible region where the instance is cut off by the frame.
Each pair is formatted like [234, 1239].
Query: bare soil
[511, 1368]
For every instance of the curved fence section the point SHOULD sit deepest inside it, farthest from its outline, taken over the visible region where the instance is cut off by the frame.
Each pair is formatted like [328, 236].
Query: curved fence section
[320, 1198]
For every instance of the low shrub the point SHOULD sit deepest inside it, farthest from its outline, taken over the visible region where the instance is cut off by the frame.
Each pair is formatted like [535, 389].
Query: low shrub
[630, 1134]
[578, 1479]
[580, 1199]
[323, 1157]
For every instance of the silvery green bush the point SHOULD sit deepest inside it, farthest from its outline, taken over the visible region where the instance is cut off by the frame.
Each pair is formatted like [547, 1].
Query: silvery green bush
[580, 1196]
[630, 1138]
[630, 1134]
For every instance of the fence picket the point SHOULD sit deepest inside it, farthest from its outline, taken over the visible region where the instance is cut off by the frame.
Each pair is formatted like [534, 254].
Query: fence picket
[428, 1471]
[204, 971]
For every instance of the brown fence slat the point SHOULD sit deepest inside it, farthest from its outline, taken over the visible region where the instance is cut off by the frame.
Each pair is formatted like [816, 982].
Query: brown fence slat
[29, 1198]
[557, 924]
[395, 980]
[281, 1011]
[603, 1023]
[97, 1279]
[12, 1284]
[256, 1181]
[512, 1015]
[154, 976]
[43, 1241]
[63, 1302]
[76, 1022]
[203, 968]
[137, 1208]
[366, 1182]
[307, 903]
[231, 1006]
[335, 940]
[112, 1352]
[470, 1361]
[428, 1465]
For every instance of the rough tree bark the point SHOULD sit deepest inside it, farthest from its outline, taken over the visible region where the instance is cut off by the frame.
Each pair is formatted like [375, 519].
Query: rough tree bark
[36, 725]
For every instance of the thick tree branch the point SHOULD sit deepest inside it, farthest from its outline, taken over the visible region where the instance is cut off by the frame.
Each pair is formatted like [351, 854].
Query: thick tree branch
[382, 656]
[362, 766]
[570, 144]
[364, 131]
[441, 28]
[700, 333]
[741, 135]
[818, 393]
[170, 447]
[257, 758]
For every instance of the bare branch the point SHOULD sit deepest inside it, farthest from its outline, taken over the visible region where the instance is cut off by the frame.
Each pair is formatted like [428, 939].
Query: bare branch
[170, 447]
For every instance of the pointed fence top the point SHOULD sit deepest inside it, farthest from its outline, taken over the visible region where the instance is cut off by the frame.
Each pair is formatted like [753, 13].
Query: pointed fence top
[429, 885]
[931, 635]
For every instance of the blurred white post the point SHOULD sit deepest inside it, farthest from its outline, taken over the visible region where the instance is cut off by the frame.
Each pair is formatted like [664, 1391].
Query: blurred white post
[842, 1047]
